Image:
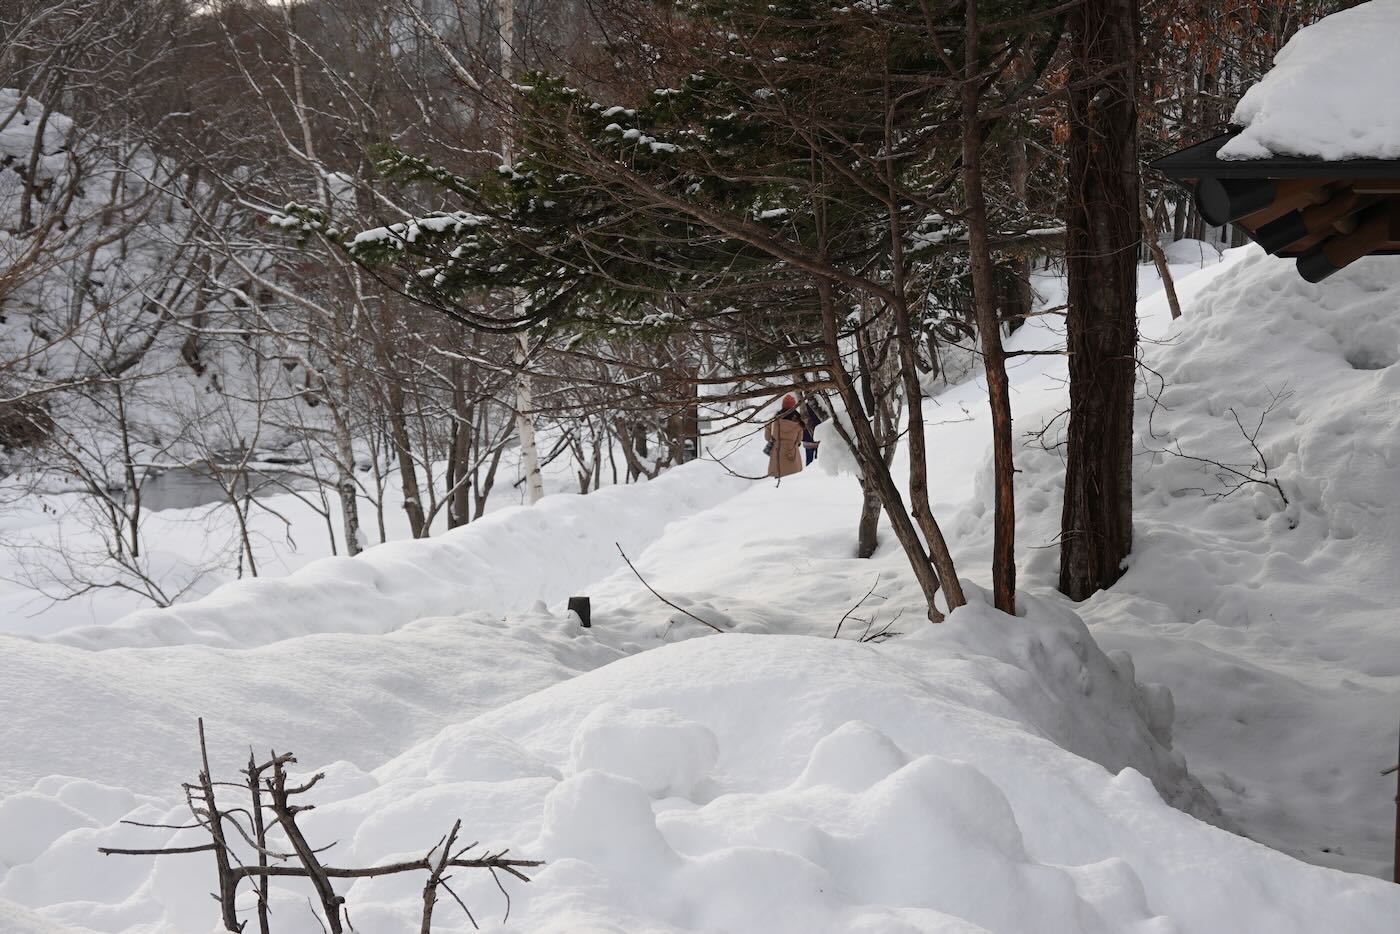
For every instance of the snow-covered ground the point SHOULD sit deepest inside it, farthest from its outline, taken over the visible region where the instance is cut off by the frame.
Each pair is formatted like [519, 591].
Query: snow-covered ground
[990, 774]
[193, 550]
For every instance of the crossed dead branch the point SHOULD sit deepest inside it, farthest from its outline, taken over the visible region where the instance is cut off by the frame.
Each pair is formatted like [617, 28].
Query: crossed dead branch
[267, 785]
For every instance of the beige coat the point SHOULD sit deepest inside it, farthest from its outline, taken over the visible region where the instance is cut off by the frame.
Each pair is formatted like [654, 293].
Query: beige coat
[786, 456]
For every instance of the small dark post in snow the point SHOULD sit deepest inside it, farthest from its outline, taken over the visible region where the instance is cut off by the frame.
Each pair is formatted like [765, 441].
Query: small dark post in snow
[583, 607]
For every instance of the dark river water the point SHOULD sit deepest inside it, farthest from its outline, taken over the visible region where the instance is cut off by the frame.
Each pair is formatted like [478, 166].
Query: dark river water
[187, 487]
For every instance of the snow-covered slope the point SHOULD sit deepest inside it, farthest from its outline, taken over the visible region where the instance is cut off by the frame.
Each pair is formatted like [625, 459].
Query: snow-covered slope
[102, 284]
[990, 774]
[504, 561]
[1274, 624]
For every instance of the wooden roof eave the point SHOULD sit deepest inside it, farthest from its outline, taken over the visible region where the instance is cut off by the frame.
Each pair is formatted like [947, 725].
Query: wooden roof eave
[1201, 160]
[1328, 214]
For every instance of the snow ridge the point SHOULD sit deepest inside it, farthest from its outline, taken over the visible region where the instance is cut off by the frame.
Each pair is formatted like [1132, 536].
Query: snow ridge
[505, 561]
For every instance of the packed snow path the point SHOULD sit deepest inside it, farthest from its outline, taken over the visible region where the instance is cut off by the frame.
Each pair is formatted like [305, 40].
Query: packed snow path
[991, 774]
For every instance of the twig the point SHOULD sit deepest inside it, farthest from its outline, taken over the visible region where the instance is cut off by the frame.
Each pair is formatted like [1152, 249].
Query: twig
[286, 816]
[435, 876]
[1238, 474]
[884, 632]
[658, 596]
[463, 905]
[858, 605]
[158, 851]
[497, 879]
[260, 832]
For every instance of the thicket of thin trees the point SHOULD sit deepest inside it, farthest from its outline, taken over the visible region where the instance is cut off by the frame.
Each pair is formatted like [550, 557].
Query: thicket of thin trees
[153, 315]
[400, 244]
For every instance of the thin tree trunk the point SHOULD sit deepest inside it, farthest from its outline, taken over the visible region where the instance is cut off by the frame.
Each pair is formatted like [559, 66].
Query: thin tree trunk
[26, 217]
[989, 330]
[1159, 257]
[876, 475]
[907, 346]
[868, 529]
[524, 403]
[345, 484]
[403, 449]
[459, 509]
[133, 486]
[1103, 227]
[525, 427]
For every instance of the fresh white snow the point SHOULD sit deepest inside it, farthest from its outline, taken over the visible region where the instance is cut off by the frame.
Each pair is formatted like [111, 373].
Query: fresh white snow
[1331, 93]
[992, 774]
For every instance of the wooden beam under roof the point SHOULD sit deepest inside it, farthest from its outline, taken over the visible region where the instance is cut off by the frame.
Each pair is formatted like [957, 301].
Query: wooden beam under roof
[1326, 214]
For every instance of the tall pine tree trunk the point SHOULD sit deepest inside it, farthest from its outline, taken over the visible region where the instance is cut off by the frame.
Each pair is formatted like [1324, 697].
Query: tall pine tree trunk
[1103, 231]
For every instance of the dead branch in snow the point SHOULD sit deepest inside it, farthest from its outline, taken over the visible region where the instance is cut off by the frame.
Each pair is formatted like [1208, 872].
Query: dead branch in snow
[859, 603]
[269, 789]
[1234, 477]
[658, 596]
[884, 632]
[867, 635]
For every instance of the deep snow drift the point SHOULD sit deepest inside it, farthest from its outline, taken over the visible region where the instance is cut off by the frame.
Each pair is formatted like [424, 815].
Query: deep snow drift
[1272, 623]
[991, 774]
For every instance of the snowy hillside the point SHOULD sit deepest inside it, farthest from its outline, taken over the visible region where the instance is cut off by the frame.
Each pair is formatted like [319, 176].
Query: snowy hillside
[103, 284]
[989, 774]
[1281, 615]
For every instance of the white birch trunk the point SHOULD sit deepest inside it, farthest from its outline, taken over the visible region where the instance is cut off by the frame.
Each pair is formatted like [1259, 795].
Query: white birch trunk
[524, 417]
[525, 425]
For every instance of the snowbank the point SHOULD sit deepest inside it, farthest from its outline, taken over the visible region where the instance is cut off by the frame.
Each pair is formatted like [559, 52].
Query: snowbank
[1273, 623]
[1330, 94]
[795, 785]
[508, 560]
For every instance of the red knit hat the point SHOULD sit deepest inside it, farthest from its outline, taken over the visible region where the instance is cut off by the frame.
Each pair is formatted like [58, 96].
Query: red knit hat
[789, 402]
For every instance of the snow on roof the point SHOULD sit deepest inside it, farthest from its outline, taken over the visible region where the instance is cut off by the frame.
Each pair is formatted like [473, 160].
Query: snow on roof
[1333, 93]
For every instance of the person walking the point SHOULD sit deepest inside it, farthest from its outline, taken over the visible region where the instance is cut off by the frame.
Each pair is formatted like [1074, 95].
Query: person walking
[810, 420]
[784, 437]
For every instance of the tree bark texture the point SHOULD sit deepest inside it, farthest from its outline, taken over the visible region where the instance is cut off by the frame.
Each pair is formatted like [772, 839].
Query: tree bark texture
[1103, 231]
[408, 469]
[868, 529]
[984, 300]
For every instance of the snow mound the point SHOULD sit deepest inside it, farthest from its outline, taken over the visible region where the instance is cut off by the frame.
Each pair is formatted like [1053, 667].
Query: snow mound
[837, 457]
[17, 920]
[505, 561]
[1330, 94]
[755, 783]
[124, 719]
[663, 753]
[1191, 252]
[1269, 609]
